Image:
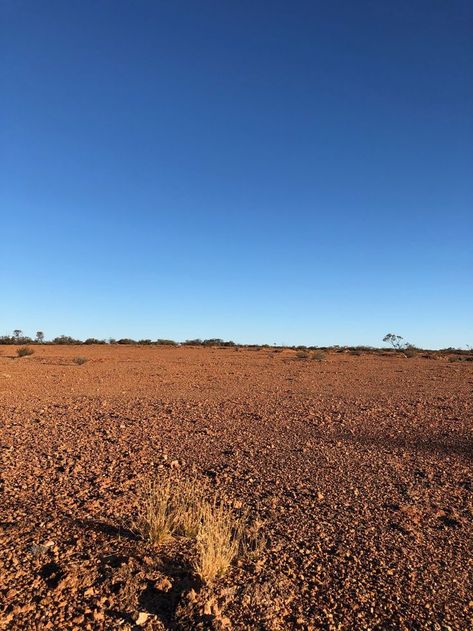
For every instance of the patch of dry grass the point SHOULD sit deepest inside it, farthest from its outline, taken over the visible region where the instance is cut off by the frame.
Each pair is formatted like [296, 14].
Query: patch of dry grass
[187, 506]
[219, 539]
[174, 506]
[155, 517]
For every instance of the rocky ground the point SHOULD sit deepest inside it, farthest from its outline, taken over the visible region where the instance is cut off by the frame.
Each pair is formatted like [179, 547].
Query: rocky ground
[357, 469]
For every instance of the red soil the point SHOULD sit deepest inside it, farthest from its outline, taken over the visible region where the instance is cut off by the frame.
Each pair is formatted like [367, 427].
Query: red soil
[358, 468]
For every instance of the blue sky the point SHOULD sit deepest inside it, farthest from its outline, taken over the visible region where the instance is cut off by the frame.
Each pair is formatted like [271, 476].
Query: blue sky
[289, 172]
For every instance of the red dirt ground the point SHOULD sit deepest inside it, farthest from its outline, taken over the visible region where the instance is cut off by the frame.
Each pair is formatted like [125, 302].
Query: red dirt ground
[358, 469]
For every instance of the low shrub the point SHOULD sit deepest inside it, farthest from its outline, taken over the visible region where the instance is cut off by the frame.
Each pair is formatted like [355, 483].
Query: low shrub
[318, 356]
[302, 354]
[80, 360]
[24, 351]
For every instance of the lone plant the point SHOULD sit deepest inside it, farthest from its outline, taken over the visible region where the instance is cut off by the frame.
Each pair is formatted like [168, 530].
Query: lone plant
[80, 360]
[24, 351]
[396, 341]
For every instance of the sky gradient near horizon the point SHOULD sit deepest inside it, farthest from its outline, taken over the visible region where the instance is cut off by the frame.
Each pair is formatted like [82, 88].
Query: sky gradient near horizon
[280, 172]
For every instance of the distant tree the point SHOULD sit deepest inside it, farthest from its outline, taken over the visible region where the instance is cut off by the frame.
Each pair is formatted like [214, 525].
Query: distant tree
[18, 333]
[396, 341]
[39, 337]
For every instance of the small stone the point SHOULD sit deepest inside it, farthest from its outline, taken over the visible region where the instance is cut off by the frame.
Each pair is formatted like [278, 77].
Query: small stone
[142, 618]
[98, 615]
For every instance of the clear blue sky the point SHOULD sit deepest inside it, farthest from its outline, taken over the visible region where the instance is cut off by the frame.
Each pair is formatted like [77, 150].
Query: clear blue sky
[290, 172]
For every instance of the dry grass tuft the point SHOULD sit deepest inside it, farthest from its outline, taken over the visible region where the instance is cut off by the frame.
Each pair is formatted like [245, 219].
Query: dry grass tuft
[173, 506]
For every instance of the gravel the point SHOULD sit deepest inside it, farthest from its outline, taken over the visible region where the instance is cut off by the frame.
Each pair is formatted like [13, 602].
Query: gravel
[355, 469]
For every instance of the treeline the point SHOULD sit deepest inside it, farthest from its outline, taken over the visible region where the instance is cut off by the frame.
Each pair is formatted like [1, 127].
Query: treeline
[19, 338]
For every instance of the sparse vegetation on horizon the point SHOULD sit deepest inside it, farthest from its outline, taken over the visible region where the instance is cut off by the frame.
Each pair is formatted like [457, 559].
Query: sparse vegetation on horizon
[303, 352]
